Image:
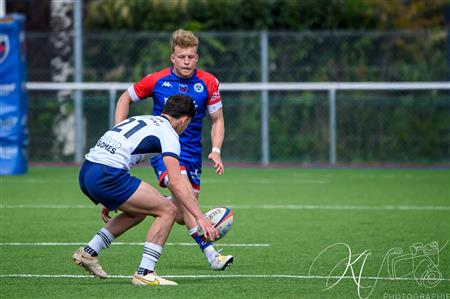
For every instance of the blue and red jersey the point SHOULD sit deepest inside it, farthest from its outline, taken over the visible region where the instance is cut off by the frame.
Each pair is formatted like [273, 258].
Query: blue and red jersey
[204, 90]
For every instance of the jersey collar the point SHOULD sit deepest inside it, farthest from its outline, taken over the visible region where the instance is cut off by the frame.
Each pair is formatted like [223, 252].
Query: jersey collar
[193, 74]
[163, 116]
[168, 122]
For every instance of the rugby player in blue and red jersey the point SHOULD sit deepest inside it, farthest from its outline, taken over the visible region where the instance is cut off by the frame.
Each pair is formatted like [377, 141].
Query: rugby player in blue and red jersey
[184, 78]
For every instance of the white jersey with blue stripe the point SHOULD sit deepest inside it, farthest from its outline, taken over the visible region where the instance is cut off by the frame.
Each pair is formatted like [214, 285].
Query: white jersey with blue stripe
[135, 139]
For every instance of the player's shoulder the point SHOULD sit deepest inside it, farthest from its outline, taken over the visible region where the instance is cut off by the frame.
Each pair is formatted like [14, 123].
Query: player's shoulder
[159, 74]
[147, 122]
[163, 123]
[151, 119]
[155, 126]
[207, 77]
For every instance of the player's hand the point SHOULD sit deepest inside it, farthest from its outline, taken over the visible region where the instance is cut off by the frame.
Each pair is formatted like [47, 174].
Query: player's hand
[217, 160]
[209, 231]
[104, 214]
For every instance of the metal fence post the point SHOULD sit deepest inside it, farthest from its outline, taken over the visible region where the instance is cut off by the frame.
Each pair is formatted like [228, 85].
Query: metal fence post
[112, 104]
[265, 138]
[78, 58]
[332, 125]
[2, 8]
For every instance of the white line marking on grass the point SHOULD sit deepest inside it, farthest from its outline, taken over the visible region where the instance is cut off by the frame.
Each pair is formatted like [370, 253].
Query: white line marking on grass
[266, 207]
[47, 206]
[342, 207]
[291, 181]
[224, 276]
[126, 243]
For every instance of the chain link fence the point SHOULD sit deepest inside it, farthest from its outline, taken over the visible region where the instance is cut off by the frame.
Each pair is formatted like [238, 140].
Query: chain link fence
[371, 126]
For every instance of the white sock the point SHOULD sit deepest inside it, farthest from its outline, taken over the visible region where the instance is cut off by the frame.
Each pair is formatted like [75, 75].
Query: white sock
[101, 240]
[207, 247]
[210, 253]
[150, 257]
[192, 230]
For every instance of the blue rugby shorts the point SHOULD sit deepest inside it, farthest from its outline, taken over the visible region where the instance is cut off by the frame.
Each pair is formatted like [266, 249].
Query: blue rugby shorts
[193, 169]
[107, 185]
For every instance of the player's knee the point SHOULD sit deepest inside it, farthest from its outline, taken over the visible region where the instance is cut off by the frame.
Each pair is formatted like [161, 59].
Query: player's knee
[179, 219]
[170, 210]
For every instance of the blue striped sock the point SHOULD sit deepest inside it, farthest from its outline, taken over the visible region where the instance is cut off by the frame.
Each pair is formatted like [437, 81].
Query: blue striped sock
[100, 241]
[88, 249]
[143, 271]
[150, 257]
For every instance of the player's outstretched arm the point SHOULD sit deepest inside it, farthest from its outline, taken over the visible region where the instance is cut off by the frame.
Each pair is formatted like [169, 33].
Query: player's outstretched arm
[122, 107]
[182, 191]
[217, 136]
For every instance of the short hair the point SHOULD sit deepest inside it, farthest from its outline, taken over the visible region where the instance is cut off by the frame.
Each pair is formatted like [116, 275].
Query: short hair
[180, 105]
[183, 39]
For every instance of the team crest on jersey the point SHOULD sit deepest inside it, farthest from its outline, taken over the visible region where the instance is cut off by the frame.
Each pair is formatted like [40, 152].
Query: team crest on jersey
[4, 47]
[183, 88]
[198, 87]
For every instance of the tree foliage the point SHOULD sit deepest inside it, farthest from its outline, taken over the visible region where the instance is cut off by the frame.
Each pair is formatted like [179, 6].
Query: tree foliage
[295, 15]
[309, 40]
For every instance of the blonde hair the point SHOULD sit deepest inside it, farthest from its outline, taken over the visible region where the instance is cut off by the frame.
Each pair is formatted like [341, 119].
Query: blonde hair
[183, 39]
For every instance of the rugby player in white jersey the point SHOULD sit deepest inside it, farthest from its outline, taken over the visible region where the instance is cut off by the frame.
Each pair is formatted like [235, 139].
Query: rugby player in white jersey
[105, 179]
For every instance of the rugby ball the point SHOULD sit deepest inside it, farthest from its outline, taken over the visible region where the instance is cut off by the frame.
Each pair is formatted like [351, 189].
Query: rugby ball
[221, 218]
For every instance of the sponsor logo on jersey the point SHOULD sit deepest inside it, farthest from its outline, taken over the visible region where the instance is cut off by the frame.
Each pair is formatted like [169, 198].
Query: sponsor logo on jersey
[109, 144]
[166, 84]
[215, 96]
[4, 47]
[195, 174]
[198, 87]
[183, 88]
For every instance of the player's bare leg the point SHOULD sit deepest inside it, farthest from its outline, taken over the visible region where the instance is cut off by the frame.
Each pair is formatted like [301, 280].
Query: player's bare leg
[164, 213]
[123, 222]
[183, 217]
[145, 201]
[87, 256]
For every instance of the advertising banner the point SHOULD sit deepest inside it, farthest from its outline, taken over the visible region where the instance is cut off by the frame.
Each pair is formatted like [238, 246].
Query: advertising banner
[13, 96]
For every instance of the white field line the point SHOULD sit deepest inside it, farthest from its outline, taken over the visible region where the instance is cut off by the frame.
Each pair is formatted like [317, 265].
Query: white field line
[220, 276]
[341, 207]
[277, 181]
[264, 207]
[208, 181]
[47, 206]
[126, 244]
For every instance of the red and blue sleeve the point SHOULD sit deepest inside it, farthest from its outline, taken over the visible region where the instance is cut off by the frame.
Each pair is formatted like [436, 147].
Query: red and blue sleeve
[144, 88]
[214, 102]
